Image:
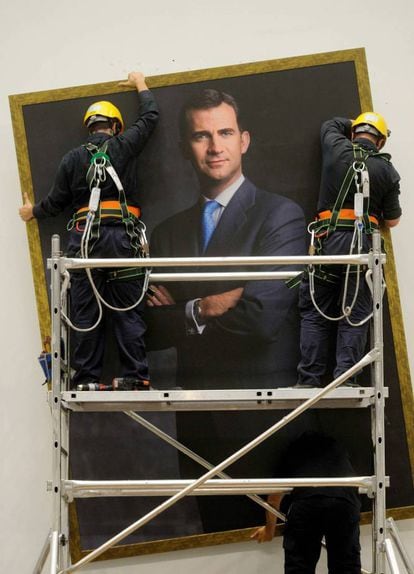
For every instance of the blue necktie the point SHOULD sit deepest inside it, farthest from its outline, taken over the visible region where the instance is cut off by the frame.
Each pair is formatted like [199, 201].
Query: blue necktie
[208, 223]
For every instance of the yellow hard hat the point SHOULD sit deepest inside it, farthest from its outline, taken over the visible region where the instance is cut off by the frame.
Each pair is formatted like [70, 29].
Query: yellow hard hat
[101, 111]
[373, 120]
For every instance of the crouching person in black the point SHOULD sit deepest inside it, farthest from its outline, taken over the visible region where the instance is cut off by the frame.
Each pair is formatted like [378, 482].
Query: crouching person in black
[316, 512]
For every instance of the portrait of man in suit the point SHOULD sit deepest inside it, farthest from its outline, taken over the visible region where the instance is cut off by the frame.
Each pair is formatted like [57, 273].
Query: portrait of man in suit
[227, 334]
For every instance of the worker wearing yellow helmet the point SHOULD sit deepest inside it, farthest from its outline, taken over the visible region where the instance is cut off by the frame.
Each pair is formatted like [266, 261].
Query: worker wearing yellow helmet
[374, 124]
[103, 114]
[99, 180]
[359, 190]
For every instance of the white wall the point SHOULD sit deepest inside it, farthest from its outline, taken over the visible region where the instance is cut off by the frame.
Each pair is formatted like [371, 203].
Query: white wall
[53, 44]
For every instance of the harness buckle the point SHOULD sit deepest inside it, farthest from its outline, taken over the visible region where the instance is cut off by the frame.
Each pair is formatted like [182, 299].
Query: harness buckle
[358, 166]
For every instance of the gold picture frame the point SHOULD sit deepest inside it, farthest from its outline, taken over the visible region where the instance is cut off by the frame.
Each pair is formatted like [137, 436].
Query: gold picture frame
[22, 105]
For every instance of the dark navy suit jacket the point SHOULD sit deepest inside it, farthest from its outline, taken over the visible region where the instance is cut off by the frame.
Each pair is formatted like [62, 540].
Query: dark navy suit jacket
[256, 343]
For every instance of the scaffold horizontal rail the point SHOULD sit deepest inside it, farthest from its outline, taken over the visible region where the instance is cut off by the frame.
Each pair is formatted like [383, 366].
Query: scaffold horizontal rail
[225, 276]
[217, 400]
[298, 260]
[90, 489]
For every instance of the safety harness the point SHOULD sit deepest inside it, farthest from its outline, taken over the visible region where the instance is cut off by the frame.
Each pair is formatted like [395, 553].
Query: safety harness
[328, 221]
[100, 165]
[357, 218]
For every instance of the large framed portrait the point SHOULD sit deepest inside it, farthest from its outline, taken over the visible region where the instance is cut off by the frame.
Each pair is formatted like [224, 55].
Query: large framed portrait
[283, 104]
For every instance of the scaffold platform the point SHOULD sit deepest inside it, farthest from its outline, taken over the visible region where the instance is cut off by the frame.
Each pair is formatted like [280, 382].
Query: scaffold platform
[217, 400]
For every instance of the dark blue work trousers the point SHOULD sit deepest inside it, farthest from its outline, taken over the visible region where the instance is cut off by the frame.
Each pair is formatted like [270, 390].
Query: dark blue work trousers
[311, 519]
[129, 327]
[316, 331]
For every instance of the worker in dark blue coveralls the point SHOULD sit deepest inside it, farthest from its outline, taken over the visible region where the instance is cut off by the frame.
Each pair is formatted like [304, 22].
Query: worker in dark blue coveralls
[346, 145]
[316, 512]
[117, 233]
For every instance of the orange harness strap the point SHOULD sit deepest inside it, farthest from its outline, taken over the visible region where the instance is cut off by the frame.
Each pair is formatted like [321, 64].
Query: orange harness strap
[108, 209]
[344, 214]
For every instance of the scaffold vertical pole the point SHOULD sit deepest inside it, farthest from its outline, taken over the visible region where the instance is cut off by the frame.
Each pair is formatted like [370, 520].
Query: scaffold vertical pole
[377, 412]
[65, 419]
[59, 534]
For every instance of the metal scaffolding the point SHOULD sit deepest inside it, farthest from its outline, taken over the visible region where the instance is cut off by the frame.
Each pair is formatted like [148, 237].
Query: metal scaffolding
[64, 401]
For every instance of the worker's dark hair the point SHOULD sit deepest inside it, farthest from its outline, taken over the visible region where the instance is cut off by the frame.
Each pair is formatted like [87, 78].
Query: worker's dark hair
[205, 100]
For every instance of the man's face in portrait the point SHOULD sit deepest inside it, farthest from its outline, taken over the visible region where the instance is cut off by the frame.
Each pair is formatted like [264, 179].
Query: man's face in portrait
[215, 145]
